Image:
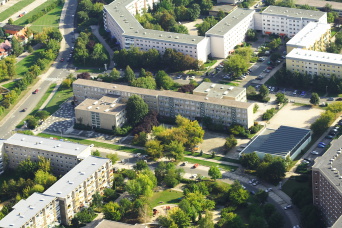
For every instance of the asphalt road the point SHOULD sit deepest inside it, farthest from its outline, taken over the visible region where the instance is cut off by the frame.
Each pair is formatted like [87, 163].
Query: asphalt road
[57, 71]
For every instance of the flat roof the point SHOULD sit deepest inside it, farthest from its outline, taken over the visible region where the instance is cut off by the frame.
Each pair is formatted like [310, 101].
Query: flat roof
[76, 176]
[319, 3]
[46, 144]
[156, 93]
[211, 89]
[277, 141]
[315, 56]
[229, 22]
[309, 34]
[26, 209]
[131, 27]
[293, 12]
[106, 104]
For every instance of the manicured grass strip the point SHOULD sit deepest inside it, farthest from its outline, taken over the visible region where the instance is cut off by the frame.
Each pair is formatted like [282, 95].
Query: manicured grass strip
[209, 64]
[96, 144]
[22, 67]
[14, 9]
[22, 20]
[42, 100]
[92, 70]
[167, 197]
[208, 156]
[208, 163]
[60, 96]
[51, 19]
[10, 85]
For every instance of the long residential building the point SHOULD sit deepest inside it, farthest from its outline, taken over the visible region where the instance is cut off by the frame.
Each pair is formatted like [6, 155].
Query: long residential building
[63, 155]
[314, 36]
[170, 103]
[327, 184]
[229, 32]
[287, 21]
[314, 62]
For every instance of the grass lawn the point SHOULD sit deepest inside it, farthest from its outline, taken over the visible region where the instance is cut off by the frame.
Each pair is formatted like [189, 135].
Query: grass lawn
[291, 185]
[60, 96]
[22, 67]
[22, 20]
[208, 163]
[209, 63]
[208, 156]
[51, 19]
[233, 83]
[9, 85]
[97, 144]
[334, 31]
[91, 70]
[15, 8]
[42, 100]
[167, 197]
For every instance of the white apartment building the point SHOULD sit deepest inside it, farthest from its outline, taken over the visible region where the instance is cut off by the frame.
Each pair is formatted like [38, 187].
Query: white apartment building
[105, 113]
[288, 21]
[37, 211]
[221, 91]
[2, 162]
[229, 32]
[63, 155]
[169, 103]
[314, 62]
[76, 188]
[314, 36]
[120, 22]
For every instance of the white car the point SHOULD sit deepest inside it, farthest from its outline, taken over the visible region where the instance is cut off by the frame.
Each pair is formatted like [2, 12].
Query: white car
[314, 152]
[193, 77]
[193, 176]
[268, 190]
[305, 162]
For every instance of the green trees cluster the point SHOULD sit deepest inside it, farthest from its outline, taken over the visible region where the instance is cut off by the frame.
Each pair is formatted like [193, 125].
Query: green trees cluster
[171, 142]
[152, 60]
[230, 143]
[336, 47]
[88, 52]
[207, 24]
[270, 168]
[326, 118]
[269, 114]
[89, 13]
[238, 63]
[168, 174]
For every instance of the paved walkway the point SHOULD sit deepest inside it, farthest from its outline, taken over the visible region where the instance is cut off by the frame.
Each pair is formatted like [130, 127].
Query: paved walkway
[8, 5]
[95, 222]
[95, 30]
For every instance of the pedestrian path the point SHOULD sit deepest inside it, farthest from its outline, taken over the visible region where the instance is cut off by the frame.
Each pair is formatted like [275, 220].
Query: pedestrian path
[8, 4]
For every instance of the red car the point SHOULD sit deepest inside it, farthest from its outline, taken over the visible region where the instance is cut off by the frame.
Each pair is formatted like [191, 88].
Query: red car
[36, 91]
[269, 68]
[62, 59]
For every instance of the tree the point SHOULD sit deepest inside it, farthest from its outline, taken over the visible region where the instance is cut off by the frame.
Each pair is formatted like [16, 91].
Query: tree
[236, 64]
[140, 165]
[230, 142]
[142, 185]
[144, 82]
[154, 149]
[10, 21]
[250, 161]
[136, 109]
[264, 92]
[237, 195]
[261, 196]
[42, 114]
[194, 11]
[327, 7]
[29, 49]
[251, 35]
[44, 178]
[206, 221]
[16, 47]
[174, 150]
[113, 157]
[192, 130]
[274, 44]
[112, 211]
[314, 99]
[280, 98]
[96, 153]
[276, 220]
[163, 80]
[129, 74]
[214, 172]
[114, 74]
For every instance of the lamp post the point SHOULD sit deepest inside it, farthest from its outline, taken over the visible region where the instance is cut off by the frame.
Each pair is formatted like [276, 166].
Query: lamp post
[326, 90]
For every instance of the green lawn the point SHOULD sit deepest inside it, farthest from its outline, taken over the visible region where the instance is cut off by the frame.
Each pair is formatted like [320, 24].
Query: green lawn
[96, 144]
[90, 70]
[209, 63]
[15, 8]
[209, 163]
[208, 156]
[22, 67]
[51, 19]
[22, 20]
[42, 100]
[10, 85]
[334, 31]
[60, 96]
[167, 197]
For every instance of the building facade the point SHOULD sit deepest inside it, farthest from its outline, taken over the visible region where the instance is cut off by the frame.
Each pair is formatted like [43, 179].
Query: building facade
[37, 211]
[169, 103]
[105, 113]
[314, 36]
[314, 62]
[229, 32]
[288, 21]
[63, 156]
[327, 184]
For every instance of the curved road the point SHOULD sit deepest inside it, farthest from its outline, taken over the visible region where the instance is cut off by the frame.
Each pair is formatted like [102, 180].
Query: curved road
[56, 72]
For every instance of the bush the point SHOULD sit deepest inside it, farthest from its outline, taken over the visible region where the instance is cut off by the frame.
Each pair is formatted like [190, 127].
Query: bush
[269, 114]
[254, 129]
[123, 131]
[79, 126]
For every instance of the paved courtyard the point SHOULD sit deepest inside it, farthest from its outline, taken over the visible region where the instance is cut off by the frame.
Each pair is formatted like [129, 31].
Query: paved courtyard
[191, 26]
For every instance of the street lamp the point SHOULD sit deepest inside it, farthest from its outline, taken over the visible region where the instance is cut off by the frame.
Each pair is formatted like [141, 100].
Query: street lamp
[326, 90]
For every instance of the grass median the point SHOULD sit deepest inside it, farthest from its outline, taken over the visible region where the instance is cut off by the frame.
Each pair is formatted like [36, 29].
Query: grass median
[14, 9]
[22, 67]
[209, 164]
[51, 19]
[22, 20]
[209, 156]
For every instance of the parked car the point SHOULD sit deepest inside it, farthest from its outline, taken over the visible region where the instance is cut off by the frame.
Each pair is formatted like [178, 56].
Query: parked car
[294, 92]
[288, 207]
[305, 162]
[36, 91]
[24, 109]
[321, 146]
[251, 181]
[303, 93]
[184, 163]
[329, 136]
[330, 99]
[322, 143]
[62, 59]
[268, 190]
[195, 166]
[339, 99]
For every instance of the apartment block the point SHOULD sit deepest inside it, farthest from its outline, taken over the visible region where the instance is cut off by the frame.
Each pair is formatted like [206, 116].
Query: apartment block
[37, 211]
[119, 20]
[169, 103]
[105, 113]
[327, 184]
[314, 36]
[314, 62]
[288, 21]
[229, 32]
[63, 155]
[76, 188]
[221, 91]
[2, 159]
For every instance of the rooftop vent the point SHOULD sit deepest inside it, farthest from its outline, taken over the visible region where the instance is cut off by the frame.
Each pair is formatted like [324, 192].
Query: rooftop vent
[170, 36]
[193, 39]
[59, 193]
[333, 169]
[97, 107]
[177, 37]
[225, 93]
[207, 98]
[94, 164]
[95, 102]
[42, 199]
[31, 207]
[144, 33]
[212, 85]
[41, 142]
[89, 107]
[22, 139]
[106, 110]
[112, 105]
[207, 90]
[160, 35]
[77, 148]
[222, 87]
[82, 173]
[58, 145]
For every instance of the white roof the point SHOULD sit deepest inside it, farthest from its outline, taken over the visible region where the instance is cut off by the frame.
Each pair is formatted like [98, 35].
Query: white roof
[315, 56]
[46, 144]
[76, 176]
[293, 12]
[26, 209]
[309, 34]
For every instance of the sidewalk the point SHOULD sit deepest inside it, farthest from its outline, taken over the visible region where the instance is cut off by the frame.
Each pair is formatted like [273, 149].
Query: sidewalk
[8, 5]
[51, 95]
